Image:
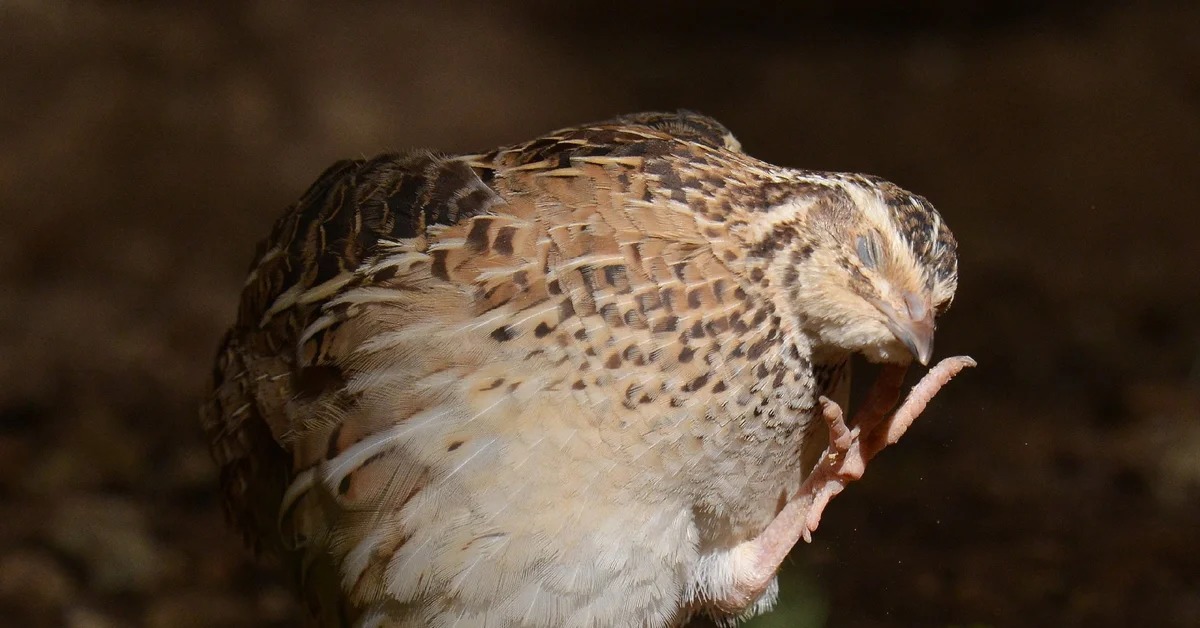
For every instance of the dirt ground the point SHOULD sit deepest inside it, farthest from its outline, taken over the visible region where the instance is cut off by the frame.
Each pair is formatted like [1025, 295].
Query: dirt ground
[145, 147]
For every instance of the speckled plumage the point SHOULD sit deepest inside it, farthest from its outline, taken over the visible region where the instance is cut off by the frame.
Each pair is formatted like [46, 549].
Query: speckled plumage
[555, 384]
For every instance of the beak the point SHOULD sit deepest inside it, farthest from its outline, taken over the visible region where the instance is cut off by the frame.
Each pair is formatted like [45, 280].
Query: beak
[914, 327]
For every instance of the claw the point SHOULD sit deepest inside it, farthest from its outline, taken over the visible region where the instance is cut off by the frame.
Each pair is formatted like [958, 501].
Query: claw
[845, 460]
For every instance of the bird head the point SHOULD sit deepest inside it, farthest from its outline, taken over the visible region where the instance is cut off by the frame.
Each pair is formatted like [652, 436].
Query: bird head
[867, 271]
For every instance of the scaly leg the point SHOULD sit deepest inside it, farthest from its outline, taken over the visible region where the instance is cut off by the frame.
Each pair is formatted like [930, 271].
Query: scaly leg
[845, 459]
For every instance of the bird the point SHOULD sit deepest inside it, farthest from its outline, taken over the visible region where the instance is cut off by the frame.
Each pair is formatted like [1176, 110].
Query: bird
[566, 382]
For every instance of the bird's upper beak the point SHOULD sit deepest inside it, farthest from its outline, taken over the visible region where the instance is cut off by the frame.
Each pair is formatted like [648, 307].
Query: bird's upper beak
[913, 326]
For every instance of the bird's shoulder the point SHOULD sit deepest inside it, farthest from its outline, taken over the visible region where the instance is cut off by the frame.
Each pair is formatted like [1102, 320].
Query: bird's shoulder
[359, 210]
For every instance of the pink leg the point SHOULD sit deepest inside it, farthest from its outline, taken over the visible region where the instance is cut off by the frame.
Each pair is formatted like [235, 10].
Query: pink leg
[844, 460]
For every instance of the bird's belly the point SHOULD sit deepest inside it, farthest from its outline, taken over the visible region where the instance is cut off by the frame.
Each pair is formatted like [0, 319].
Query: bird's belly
[553, 512]
[538, 519]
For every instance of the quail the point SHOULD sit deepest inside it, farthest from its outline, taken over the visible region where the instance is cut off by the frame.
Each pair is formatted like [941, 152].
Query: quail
[593, 379]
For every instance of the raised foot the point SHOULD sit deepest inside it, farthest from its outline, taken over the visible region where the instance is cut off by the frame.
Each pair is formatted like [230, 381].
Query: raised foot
[844, 460]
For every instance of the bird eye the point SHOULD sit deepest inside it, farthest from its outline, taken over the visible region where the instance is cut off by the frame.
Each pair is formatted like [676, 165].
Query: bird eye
[867, 251]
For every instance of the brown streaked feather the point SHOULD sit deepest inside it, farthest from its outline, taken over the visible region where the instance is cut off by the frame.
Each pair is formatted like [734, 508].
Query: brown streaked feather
[637, 275]
[325, 236]
[329, 242]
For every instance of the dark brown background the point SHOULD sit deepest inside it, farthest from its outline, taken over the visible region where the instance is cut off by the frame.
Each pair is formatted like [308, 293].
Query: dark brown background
[147, 146]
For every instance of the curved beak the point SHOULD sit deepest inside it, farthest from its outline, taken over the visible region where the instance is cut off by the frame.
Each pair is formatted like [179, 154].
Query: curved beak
[914, 327]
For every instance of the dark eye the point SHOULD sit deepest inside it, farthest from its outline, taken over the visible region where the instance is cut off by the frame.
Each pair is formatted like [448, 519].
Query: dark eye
[868, 252]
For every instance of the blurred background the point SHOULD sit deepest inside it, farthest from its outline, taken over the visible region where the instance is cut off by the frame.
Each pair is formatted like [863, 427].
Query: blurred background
[145, 147]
